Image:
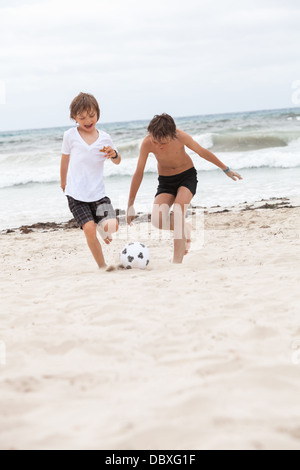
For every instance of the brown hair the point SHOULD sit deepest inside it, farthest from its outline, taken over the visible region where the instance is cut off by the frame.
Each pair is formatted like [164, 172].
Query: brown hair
[162, 126]
[84, 102]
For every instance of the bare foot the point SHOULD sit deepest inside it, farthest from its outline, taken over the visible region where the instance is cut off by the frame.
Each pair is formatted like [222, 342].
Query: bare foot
[110, 268]
[107, 269]
[106, 237]
[188, 234]
[102, 268]
[107, 240]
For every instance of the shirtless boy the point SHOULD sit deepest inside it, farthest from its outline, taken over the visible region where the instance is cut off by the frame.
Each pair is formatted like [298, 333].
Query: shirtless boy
[177, 179]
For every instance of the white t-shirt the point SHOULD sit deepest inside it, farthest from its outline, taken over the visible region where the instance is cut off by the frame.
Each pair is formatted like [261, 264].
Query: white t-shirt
[85, 174]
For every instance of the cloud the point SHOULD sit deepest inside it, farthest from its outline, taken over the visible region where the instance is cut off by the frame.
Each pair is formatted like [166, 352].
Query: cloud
[178, 56]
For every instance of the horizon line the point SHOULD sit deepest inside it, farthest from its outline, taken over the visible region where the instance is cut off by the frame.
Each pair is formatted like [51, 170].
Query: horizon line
[143, 120]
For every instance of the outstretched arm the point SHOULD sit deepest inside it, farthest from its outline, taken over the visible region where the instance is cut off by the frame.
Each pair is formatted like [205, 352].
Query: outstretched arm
[137, 180]
[189, 142]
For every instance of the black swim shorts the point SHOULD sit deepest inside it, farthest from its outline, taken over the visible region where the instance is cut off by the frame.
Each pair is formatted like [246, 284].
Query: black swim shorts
[98, 211]
[171, 184]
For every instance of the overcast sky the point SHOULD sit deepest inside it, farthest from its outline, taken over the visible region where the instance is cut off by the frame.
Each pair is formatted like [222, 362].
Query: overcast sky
[143, 58]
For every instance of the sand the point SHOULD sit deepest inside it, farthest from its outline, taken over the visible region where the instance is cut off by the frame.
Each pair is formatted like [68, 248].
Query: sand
[198, 356]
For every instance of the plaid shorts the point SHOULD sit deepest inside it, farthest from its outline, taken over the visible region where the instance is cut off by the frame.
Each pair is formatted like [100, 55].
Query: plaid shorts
[98, 211]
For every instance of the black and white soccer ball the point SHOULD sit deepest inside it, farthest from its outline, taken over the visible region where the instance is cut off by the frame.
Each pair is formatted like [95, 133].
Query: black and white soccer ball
[135, 255]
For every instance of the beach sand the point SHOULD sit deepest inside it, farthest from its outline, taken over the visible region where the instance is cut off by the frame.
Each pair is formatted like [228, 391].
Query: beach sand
[197, 356]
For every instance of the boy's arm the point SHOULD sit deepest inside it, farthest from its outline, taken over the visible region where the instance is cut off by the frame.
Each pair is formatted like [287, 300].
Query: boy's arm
[137, 180]
[65, 159]
[189, 142]
[111, 154]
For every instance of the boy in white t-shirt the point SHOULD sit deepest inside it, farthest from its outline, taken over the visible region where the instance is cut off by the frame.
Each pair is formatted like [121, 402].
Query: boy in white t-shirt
[84, 152]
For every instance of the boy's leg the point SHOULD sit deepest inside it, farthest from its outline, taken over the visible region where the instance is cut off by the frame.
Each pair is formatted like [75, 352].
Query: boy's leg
[162, 219]
[90, 231]
[182, 230]
[107, 228]
[107, 221]
[161, 212]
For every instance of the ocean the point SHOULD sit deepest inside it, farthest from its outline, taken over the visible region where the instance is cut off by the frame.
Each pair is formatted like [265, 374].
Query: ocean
[263, 146]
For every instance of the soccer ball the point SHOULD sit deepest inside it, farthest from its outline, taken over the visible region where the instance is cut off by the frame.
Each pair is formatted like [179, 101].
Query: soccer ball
[135, 255]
